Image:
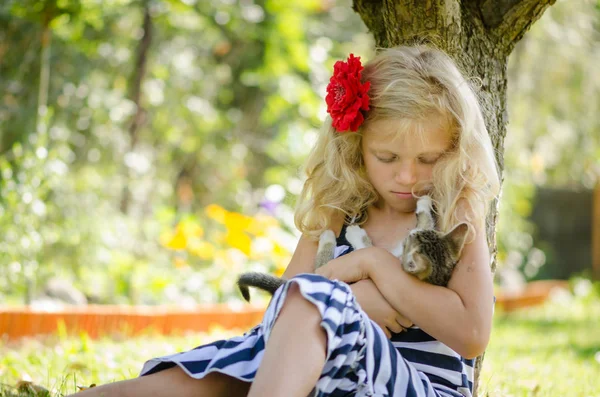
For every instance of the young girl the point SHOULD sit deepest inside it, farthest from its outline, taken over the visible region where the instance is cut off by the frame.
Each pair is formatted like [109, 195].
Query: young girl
[406, 125]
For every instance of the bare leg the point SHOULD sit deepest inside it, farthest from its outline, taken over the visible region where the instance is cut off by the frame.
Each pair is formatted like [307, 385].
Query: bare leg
[295, 352]
[172, 382]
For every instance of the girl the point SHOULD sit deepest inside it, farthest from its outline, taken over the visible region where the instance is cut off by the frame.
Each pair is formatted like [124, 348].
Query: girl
[406, 125]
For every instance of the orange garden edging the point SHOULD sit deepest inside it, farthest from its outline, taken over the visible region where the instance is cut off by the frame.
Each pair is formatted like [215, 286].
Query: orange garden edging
[533, 294]
[100, 320]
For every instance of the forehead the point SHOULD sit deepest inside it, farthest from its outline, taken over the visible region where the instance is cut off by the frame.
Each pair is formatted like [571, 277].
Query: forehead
[431, 134]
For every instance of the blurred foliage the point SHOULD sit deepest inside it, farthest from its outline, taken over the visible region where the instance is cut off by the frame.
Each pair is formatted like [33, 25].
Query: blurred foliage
[231, 97]
[231, 100]
[553, 136]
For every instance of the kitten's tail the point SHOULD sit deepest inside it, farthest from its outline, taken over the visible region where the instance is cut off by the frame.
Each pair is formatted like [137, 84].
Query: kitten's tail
[265, 282]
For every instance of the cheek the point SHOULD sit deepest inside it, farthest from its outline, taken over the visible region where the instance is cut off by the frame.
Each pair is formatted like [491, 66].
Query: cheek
[377, 171]
[425, 172]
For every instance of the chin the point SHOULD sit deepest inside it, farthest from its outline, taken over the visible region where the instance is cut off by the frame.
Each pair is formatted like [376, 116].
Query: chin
[409, 206]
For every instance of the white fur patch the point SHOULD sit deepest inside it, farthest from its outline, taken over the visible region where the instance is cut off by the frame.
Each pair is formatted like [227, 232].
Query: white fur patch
[424, 204]
[357, 237]
[327, 237]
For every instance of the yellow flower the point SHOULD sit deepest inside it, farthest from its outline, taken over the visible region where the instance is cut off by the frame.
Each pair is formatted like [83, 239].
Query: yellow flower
[260, 224]
[202, 249]
[191, 229]
[174, 241]
[279, 270]
[280, 250]
[216, 212]
[236, 221]
[239, 240]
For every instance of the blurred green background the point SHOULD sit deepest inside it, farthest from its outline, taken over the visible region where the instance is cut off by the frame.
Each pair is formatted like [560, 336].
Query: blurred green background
[150, 150]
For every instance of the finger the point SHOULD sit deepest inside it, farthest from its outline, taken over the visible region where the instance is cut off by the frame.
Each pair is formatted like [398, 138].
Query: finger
[404, 322]
[387, 332]
[395, 328]
[323, 271]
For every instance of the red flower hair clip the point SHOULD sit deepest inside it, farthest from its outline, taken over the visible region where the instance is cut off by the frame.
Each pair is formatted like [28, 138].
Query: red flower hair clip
[346, 96]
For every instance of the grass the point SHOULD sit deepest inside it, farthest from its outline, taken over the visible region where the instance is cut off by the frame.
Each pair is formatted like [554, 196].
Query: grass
[552, 350]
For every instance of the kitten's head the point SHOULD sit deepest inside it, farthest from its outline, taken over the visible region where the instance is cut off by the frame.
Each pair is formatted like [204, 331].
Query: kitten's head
[426, 249]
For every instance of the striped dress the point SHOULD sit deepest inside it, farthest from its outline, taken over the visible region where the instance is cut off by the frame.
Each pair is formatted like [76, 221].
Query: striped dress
[360, 360]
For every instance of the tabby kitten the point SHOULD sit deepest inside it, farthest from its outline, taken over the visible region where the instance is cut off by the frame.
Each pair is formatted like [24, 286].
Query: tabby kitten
[426, 253]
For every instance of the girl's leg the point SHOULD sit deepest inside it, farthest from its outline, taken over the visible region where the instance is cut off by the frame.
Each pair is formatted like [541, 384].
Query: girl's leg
[295, 351]
[172, 382]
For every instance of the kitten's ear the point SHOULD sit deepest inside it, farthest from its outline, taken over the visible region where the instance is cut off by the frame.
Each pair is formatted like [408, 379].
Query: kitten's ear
[457, 238]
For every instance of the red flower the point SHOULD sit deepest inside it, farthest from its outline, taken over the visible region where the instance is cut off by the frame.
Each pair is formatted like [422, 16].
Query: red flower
[346, 96]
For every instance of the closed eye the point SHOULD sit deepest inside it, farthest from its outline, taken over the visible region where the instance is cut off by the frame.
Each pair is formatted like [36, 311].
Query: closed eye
[386, 159]
[429, 160]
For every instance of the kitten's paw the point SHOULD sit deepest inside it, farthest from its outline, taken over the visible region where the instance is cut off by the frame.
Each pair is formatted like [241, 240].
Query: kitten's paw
[327, 237]
[424, 204]
[326, 248]
[358, 237]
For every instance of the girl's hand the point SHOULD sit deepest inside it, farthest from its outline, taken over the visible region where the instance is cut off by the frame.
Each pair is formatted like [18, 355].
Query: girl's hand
[378, 309]
[349, 268]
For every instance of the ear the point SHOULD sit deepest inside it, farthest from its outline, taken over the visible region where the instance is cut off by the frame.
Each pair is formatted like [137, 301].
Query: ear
[457, 238]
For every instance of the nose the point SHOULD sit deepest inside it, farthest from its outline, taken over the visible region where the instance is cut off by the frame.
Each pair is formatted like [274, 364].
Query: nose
[406, 174]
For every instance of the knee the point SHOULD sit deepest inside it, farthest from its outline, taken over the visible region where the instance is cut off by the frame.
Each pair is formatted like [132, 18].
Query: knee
[296, 303]
[293, 296]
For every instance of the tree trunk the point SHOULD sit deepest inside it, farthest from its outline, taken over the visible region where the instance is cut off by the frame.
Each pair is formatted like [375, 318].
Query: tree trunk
[479, 35]
[135, 94]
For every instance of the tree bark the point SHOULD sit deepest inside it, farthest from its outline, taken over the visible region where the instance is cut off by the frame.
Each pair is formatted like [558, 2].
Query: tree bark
[479, 35]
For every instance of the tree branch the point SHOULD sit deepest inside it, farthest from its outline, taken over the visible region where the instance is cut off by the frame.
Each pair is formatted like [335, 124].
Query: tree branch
[508, 20]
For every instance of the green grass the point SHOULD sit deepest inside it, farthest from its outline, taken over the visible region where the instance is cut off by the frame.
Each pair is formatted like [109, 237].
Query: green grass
[553, 350]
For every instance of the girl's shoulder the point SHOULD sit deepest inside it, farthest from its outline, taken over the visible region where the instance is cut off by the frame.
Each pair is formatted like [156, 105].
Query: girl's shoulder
[471, 212]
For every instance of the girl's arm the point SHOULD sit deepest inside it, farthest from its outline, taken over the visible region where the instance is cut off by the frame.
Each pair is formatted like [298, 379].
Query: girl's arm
[368, 296]
[303, 259]
[459, 316]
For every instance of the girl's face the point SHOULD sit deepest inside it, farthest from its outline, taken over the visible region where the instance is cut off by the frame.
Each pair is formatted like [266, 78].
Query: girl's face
[394, 164]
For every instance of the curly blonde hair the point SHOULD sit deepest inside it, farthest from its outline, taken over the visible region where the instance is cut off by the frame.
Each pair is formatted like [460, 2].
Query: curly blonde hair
[408, 84]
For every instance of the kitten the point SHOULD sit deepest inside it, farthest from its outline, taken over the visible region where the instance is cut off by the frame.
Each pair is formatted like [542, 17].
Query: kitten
[426, 253]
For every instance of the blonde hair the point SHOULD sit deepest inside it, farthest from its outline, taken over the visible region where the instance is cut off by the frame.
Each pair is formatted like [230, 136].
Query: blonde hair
[410, 85]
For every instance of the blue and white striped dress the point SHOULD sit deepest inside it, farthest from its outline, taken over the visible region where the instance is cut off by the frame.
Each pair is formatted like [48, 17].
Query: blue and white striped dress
[360, 361]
